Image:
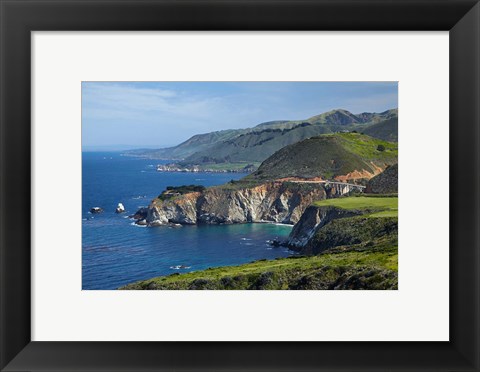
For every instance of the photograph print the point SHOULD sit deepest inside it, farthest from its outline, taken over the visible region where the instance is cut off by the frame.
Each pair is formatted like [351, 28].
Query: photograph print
[239, 185]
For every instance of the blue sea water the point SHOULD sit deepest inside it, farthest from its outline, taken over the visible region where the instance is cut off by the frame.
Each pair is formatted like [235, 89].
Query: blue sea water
[117, 252]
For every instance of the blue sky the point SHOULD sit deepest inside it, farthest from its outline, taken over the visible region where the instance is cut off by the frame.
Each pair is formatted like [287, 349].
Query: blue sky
[160, 114]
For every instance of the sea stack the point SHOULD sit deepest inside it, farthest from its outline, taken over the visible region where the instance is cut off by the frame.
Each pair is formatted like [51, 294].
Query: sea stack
[120, 208]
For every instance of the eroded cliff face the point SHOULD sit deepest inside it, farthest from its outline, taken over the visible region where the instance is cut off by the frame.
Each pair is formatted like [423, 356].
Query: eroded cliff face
[280, 202]
[385, 182]
[182, 210]
[311, 221]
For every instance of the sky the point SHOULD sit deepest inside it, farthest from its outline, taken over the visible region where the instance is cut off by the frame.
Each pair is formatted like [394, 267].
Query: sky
[122, 115]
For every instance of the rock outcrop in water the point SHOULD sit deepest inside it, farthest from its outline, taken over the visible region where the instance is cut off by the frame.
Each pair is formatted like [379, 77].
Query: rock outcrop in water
[140, 214]
[120, 208]
[281, 202]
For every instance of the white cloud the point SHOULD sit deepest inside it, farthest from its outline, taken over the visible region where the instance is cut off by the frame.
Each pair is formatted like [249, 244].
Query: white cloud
[114, 100]
[124, 103]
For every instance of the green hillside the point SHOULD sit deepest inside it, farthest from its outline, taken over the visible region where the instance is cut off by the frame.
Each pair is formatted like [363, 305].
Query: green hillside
[256, 146]
[373, 118]
[196, 143]
[386, 130]
[360, 267]
[327, 156]
[337, 117]
[365, 203]
[257, 143]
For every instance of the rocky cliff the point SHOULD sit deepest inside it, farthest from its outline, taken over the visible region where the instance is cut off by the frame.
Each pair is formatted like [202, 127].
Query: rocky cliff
[385, 182]
[325, 228]
[312, 220]
[281, 202]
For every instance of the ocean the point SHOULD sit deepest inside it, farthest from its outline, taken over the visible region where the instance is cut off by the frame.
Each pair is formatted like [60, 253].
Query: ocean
[116, 252]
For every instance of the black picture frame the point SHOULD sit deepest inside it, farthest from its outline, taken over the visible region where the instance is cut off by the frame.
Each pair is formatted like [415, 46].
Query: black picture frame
[18, 18]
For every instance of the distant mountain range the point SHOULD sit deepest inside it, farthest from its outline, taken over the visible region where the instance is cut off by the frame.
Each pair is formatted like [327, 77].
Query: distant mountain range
[253, 145]
[386, 130]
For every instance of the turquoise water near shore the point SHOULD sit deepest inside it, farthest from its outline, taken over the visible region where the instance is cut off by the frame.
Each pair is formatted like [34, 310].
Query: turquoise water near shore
[117, 252]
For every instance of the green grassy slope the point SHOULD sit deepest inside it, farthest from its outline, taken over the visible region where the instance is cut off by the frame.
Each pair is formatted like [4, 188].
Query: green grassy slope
[360, 232]
[365, 203]
[327, 156]
[374, 224]
[344, 270]
[386, 130]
